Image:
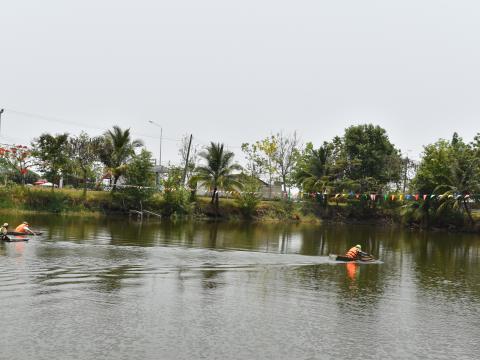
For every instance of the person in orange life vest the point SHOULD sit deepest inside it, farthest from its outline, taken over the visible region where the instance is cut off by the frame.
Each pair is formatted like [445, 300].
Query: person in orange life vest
[4, 232]
[23, 228]
[355, 252]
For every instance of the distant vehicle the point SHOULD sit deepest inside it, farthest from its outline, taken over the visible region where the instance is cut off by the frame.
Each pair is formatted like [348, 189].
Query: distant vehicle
[40, 182]
[48, 184]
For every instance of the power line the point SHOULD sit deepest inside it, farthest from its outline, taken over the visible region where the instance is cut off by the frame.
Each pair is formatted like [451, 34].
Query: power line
[76, 124]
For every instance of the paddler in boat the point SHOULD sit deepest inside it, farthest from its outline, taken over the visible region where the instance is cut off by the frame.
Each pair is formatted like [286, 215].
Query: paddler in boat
[4, 232]
[355, 253]
[23, 228]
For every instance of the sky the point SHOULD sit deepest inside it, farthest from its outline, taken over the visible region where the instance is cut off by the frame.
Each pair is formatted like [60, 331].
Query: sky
[238, 71]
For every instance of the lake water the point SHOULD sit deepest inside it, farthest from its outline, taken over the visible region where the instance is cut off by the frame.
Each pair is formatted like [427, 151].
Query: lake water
[118, 289]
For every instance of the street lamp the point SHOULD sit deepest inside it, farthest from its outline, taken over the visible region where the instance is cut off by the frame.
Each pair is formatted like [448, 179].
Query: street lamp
[160, 152]
[1, 112]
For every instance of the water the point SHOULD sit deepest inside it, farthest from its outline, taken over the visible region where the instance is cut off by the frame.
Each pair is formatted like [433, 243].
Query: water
[116, 289]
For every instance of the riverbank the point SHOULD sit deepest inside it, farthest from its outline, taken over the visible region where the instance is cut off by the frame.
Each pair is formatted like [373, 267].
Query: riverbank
[27, 200]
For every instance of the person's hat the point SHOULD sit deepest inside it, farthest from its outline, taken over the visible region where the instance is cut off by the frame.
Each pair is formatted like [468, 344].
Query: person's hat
[359, 247]
[6, 224]
[26, 223]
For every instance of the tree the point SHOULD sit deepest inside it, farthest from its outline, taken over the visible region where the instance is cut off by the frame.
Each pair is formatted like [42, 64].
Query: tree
[84, 152]
[117, 149]
[192, 157]
[17, 159]
[314, 168]
[51, 152]
[434, 167]
[175, 196]
[450, 170]
[140, 178]
[369, 158]
[286, 156]
[248, 199]
[217, 173]
[255, 160]
[261, 159]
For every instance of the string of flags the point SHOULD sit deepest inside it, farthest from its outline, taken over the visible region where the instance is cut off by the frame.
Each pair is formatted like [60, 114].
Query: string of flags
[389, 197]
[392, 197]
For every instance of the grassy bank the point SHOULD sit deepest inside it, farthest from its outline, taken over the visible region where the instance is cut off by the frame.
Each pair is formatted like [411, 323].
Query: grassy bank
[71, 201]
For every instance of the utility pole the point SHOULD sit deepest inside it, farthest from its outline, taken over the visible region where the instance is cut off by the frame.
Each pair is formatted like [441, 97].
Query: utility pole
[160, 152]
[1, 112]
[186, 162]
[405, 175]
[161, 135]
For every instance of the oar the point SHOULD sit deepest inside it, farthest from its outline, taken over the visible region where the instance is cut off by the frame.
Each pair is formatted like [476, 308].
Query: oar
[367, 257]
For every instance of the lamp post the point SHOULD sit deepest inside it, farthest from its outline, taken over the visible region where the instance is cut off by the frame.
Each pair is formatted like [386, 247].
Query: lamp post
[160, 152]
[1, 112]
[407, 163]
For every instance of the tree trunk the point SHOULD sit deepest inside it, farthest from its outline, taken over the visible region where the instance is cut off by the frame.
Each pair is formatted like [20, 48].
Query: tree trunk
[216, 205]
[270, 186]
[468, 211]
[115, 179]
[213, 195]
[284, 183]
[84, 183]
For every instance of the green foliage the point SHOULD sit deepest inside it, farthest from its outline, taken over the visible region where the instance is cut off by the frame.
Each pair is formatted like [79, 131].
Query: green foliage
[261, 158]
[17, 177]
[248, 199]
[362, 160]
[60, 201]
[84, 152]
[217, 173]
[451, 170]
[369, 157]
[52, 154]
[426, 214]
[313, 172]
[274, 156]
[139, 180]
[176, 199]
[117, 149]
[434, 166]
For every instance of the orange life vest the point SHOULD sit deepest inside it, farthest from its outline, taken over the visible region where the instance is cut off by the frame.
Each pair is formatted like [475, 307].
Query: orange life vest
[353, 253]
[21, 228]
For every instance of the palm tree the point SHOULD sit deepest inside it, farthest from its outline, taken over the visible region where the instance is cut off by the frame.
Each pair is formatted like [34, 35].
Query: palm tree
[459, 184]
[117, 150]
[314, 174]
[217, 173]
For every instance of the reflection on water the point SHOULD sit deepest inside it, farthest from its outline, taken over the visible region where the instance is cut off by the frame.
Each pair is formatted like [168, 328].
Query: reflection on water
[114, 289]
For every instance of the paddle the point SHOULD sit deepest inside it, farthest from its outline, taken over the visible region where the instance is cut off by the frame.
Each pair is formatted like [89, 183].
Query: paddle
[367, 257]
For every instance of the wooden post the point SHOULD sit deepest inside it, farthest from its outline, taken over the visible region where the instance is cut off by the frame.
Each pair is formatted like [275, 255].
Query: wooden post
[186, 162]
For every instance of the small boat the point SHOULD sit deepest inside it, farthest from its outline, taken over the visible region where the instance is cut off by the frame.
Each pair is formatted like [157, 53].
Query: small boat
[13, 239]
[365, 258]
[15, 233]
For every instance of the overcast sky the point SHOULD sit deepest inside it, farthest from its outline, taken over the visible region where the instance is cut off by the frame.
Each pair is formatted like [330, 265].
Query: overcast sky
[236, 71]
